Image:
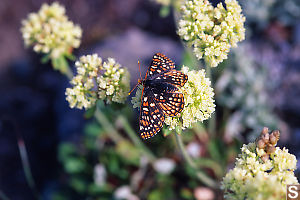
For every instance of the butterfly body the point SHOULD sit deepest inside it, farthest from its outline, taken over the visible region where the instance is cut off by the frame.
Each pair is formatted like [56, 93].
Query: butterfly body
[157, 86]
[161, 96]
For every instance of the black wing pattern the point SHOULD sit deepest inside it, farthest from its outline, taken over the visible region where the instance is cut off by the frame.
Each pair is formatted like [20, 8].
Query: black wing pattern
[151, 117]
[171, 103]
[174, 77]
[160, 63]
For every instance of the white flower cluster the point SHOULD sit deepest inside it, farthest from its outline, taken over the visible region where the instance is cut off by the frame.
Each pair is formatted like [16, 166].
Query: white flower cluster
[97, 80]
[211, 31]
[254, 178]
[114, 82]
[199, 100]
[49, 31]
[82, 94]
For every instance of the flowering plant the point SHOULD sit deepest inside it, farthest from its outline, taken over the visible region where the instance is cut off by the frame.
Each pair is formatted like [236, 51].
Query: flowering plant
[211, 31]
[96, 80]
[50, 32]
[112, 161]
[259, 169]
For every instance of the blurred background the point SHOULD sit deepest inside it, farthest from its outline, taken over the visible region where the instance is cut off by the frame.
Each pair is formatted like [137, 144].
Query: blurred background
[257, 86]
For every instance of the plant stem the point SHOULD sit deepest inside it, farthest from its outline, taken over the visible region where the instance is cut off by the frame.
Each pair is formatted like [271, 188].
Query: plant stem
[200, 175]
[212, 120]
[26, 166]
[136, 140]
[3, 196]
[112, 132]
[69, 73]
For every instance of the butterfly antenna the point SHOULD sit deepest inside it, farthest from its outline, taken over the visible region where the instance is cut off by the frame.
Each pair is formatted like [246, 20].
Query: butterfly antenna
[139, 81]
[133, 89]
[140, 69]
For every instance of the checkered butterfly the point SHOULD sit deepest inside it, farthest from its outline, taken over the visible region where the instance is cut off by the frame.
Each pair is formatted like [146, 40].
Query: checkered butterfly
[160, 95]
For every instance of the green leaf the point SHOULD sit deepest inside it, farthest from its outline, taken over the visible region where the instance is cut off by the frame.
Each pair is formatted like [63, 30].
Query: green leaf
[60, 64]
[214, 150]
[58, 196]
[190, 61]
[129, 152]
[78, 184]
[90, 112]
[163, 193]
[186, 193]
[70, 56]
[155, 194]
[45, 59]
[209, 163]
[92, 129]
[164, 11]
[66, 150]
[74, 165]
[167, 131]
[113, 164]
[102, 191]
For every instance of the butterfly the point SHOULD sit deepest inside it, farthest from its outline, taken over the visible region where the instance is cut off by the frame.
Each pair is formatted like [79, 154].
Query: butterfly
[160, 95]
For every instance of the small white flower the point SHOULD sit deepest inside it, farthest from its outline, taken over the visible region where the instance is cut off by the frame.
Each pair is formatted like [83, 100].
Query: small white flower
[194, 149]
[164, 165]
[114, 83]
[204, 193]
[100, 175]
[124, 192]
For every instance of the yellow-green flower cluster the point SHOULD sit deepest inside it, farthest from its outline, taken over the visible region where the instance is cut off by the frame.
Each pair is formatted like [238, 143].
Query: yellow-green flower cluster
[49, 31]
[82, 94]
[256, 179]
[211, 31]
[199, 100]
[97, 80]
[114, 82]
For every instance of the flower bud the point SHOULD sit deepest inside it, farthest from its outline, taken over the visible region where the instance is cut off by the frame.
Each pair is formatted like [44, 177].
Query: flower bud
[276, 133]
[261, 144]
[265, 131]
[270, 149]
[265, 157]
[265, 137]
[273, 139]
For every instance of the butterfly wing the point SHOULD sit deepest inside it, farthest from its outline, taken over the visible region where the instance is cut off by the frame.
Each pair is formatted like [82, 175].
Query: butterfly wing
[151, 117]
[161, 97]
[171, 102]
[160, 63]
[174, 77]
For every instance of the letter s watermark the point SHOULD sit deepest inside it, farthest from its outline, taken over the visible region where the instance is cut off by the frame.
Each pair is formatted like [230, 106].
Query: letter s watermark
[293, 192]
